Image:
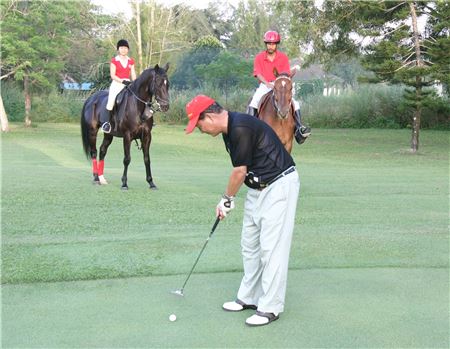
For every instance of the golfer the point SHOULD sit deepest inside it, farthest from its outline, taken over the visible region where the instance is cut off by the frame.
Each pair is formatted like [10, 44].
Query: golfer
[261, 162]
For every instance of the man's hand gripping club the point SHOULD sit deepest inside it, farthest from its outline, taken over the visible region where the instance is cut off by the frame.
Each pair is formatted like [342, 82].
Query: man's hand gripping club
[225, 205]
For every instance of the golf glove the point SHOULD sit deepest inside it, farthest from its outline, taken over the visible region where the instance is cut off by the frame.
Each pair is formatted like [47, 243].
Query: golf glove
[226, 204]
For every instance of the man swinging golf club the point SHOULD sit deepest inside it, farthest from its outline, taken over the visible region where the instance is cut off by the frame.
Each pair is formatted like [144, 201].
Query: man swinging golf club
[262, 163]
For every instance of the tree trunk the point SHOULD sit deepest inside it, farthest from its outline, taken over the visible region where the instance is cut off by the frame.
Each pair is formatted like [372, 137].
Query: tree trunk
[3, 117]
[26, 92]
[419, 63]
[139, 37]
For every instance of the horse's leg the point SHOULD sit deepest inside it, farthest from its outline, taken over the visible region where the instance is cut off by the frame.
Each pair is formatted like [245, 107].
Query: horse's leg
[146, 141]
[93, 153]
[107, 140]
[126, 158]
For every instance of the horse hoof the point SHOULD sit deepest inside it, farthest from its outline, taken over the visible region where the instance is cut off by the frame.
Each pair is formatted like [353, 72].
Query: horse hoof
[96, 182]
[124, 188]
[153, 187]
[102, 180]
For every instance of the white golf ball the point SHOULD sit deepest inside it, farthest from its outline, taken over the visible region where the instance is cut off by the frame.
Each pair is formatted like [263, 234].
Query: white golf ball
[172, 317]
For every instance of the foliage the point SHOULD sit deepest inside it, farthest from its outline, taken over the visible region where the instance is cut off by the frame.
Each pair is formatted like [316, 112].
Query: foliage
[371, 106]
[204, 52]
[57, 107]
[36, 38]
[251, 19]
[309, 87]
[393, 48]
[12, 96]
[227, 72]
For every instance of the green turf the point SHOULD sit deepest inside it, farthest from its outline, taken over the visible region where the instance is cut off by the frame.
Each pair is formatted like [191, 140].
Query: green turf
[369, 262]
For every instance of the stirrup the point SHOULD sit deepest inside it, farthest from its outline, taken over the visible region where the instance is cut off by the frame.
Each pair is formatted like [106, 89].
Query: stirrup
[301, 134]
[106, 127]
[305, 131]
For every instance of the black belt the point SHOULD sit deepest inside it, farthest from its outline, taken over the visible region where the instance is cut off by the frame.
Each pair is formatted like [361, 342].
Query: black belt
[281, 175]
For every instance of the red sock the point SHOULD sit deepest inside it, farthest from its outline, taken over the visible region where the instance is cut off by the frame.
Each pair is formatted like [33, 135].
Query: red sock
[101, 166]
[94, 166]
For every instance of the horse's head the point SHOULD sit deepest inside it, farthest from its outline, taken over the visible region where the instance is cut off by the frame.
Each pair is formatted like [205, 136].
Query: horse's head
[282, 94]
[159, 86]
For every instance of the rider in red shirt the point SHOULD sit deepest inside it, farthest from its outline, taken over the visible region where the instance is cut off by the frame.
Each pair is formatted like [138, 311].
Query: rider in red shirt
[263, 66]
[122, 73]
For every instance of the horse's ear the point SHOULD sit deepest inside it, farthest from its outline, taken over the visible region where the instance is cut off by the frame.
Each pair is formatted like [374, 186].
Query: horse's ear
[156, 66]
[166, 67]
[275, 72]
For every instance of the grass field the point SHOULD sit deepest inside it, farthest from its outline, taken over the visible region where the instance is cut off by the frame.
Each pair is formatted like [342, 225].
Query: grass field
[91, 266]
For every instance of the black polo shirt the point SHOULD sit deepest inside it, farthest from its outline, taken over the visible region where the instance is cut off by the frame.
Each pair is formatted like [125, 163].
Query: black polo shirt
[253, 143]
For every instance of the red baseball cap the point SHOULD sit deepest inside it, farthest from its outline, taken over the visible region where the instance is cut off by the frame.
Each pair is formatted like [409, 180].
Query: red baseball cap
[194, 108]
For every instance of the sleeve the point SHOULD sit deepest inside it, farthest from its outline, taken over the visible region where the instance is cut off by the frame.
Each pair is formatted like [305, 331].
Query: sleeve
[257, 66]
[284, 65]
[131, 61]
[242, 147]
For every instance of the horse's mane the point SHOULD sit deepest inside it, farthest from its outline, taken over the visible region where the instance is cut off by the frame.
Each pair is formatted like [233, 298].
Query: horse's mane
[284, 74]
[147, 73]
[144, 76]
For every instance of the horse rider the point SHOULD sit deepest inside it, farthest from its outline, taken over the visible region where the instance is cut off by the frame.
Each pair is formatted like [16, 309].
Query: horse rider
[122, 72]
[263, 67]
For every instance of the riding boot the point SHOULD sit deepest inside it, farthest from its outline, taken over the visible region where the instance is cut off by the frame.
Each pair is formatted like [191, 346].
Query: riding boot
[301, 132]
[252, 111]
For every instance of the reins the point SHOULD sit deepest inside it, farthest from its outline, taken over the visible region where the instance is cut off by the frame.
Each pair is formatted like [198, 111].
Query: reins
[149, 103]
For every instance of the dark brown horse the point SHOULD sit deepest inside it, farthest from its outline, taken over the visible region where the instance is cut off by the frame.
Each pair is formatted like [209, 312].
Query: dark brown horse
[276, 108]
[133, 116]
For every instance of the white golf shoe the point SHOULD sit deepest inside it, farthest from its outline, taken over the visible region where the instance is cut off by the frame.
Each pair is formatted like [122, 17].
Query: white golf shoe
[237, 305]
[261, 319]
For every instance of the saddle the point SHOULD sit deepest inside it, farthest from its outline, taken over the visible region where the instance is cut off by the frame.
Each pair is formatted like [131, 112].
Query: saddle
[120, 99]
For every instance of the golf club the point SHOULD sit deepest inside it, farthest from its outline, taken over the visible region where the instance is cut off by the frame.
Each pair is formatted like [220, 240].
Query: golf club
[180, 292]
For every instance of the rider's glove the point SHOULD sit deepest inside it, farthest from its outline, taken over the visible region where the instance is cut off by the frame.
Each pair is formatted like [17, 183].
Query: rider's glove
[126, 82]
[226, 204]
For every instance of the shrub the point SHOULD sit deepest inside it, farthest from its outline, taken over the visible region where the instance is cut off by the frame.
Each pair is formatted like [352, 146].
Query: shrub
[13, 100]
[58, 107]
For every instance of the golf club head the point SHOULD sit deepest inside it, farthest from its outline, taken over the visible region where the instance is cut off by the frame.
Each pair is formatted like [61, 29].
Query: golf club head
[178, 292]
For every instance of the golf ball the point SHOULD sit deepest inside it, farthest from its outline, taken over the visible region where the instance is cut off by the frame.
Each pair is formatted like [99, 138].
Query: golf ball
[172, 317]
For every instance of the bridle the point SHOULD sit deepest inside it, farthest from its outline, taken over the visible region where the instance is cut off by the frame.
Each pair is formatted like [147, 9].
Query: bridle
[274, 102]
[154, 106]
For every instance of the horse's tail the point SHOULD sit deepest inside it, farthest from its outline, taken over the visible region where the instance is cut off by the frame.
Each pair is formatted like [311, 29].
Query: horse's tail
[85, 131]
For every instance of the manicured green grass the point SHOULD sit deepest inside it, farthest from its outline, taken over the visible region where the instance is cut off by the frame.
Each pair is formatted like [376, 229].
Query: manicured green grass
[372, 222]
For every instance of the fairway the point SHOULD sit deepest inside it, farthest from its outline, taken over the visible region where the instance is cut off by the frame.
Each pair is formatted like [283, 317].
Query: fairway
[92, 266]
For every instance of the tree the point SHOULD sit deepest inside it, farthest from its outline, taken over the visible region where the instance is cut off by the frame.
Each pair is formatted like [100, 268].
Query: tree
[388, 37]
[204, 51]
[251, 19]
[35, 39]
[227, 71]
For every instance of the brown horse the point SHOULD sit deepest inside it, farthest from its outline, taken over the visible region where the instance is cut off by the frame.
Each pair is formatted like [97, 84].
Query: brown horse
[132, 122]
[276, 108]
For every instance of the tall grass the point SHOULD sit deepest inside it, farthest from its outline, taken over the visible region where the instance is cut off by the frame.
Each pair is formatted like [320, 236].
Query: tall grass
[372, 106]
[368, 106]
[58, 107]
[235, 100]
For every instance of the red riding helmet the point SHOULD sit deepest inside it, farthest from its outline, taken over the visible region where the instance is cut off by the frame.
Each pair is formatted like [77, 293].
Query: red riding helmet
[272, 37]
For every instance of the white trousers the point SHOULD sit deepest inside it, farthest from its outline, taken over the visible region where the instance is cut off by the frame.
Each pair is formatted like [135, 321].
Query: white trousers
[261, 91]
[114, 90]
[268, 225]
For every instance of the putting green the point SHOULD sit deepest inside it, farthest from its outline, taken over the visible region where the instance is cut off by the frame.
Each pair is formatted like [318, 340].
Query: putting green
[354, 308]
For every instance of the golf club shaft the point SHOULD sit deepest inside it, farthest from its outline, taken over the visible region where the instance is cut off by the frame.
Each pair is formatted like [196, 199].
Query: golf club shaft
[203, 248]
